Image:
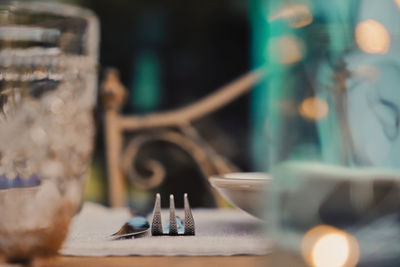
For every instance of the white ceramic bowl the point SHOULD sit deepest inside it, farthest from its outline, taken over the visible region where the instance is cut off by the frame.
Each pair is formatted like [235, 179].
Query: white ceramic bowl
[243, 190]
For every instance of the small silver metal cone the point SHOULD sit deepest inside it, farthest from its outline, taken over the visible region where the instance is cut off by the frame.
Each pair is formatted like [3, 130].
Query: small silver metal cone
[173, 228]
[189, 220]
[156, 225]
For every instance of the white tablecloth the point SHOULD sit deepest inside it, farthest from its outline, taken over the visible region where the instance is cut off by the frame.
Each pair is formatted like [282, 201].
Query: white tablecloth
[218, 232]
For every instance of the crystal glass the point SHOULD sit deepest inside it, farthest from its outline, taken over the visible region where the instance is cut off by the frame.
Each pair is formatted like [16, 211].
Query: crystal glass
[48, 76]
[332, 128]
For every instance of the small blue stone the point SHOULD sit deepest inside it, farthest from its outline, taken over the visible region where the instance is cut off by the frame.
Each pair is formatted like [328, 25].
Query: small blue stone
[4, 182]
[138, 221]
[179, 225]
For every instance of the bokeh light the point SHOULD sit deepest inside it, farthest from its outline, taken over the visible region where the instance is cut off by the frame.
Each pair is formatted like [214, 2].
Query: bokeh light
[326, 246]
[397, 3]
[314, 108]
[287, 49]
[331, 250]
[372, 37]
[297, 15]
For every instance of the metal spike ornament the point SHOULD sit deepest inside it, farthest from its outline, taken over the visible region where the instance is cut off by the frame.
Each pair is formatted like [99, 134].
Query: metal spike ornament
[175, 227]
[156, 225]
[189, 221]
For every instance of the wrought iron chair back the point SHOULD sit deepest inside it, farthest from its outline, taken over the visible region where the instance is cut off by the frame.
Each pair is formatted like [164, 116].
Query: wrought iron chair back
[183, 134]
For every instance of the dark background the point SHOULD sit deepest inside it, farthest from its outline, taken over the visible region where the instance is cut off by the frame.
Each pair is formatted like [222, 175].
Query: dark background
[193, 47]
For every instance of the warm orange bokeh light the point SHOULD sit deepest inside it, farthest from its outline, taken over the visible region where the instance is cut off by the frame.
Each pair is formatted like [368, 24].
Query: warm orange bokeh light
[331, 250]
[297, 15]
[287, 49]
[397, 3]
[372, 37]
[314, 108]
[326, 246]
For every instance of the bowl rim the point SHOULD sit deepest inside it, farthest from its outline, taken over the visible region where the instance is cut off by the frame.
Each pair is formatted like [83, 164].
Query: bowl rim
[233, 181]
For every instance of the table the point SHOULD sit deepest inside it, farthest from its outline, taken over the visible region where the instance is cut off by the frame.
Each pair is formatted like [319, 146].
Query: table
[233, 261]
[272, 260]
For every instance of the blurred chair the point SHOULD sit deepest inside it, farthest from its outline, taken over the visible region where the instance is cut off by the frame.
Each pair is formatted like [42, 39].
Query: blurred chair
[174, 127]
